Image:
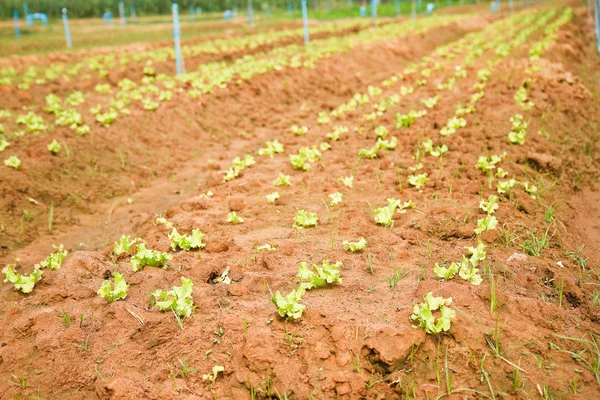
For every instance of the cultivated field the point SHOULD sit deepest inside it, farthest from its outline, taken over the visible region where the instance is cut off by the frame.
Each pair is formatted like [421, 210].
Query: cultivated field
[402, 210]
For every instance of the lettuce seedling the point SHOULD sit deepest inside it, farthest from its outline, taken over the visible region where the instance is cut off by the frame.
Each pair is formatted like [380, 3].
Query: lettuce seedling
[179, 299]
[418, 181]
[355, 247]
[215, 372]
[522, 100]
[453, 124]
[24, 283]
[490, 206]
[13, 162]
[446, 273]
[3, 144]
[430, 102]
[53, 104]
[33, 123]
[316, 277]
[469, 272]
[305, 156]
[186, 242]
[505, 186]
[4, 114]
[336, 198]
[404, 121]
[272, 197]
[68, 118]
[385, 215]
[146, 257]
[108, 117]
[381, 132]
[235, 219]
[304, 219]
[486, 224]
[53, 147]
[531, 190]
[423, 313]
[323, 118]
[325, 146]
[272, 148]
[282, 180]
[337, 130]
[119, 292]
[296, 130]
[123, 245]
[477, 254]
[347, 181]
[75, 98]
[237, 165]
[517, 137]
[55, 260]
[289, 306]
[370, 154]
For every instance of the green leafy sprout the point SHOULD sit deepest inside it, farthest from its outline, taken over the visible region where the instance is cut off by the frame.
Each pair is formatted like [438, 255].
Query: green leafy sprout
[24, 283]
[146, 257]
[235, 219]
[289, 306]
[305, 219]
[315, 277]
[179, 299]
[355, 247]
[119, 292]
[423, 313]
[186, 242]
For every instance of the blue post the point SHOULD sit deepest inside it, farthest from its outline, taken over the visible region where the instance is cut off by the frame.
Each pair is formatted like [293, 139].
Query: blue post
[305, 21]
[67, 30]
[414, 10]
[122, 13]
[191, 13]
[374, 9]
[398, 12]
[17, 27]
[177, 36]
[419, 6]
[597, 18]
[250, 13]
[26, 9]
[132, 13]
[289, 8]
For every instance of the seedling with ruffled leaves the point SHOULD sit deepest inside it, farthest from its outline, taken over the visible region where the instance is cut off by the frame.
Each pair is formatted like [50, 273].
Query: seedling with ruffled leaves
[423, 313]
[112, 291]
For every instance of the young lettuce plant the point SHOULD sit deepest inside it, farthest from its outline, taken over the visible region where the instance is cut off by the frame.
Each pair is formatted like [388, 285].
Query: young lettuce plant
[271, 149]
[347, 181]
[235, 219]
[13, 162]
[272, 197]
[179, 299]
[336, 198]
[289, 306]
[305, 157]
[490, 206]
[486, 224]
[355, 247]
[53, 147]
[119, 292]
[24, 283]
[304, 219]
[418, 181]
[323, 118]
[423, 313]
[282, 180]
[506, 186]
[54, 261]
[123, 245]
[146, 257]
[299, 131]
[316, 277]
[186, 242]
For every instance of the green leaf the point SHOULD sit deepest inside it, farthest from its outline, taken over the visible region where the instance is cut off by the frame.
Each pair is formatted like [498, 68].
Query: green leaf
[354, 246]
[120, 288]
[179, 299]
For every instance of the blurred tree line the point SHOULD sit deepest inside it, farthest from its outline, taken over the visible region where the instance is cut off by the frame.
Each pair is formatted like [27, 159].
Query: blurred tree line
[95, 8]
